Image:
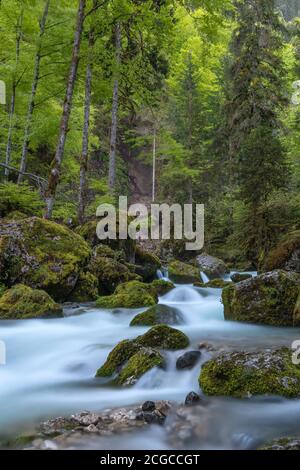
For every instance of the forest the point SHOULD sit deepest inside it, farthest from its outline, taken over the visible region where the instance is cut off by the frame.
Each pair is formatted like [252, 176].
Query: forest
[165, 102]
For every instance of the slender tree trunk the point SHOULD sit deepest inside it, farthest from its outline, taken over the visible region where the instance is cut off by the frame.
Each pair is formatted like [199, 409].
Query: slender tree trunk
[114, 116]
[86, 125]
[33, 93]
[13, 95]
[154, 165]
[56, 164]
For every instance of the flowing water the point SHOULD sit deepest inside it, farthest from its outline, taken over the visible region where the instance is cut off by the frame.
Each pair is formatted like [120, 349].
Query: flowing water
[51, 365]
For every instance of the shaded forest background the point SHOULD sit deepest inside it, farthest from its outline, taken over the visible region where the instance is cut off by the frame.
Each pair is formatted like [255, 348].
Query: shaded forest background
[98, 90]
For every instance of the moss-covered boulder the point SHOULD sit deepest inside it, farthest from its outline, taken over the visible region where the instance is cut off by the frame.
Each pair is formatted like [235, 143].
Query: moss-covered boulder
[268, 299]
[132, 294]
[109, 273]
[283, 443]
[130, 359]
[162, 287]
[242, 374]
[213, 267]
[239, 277]
[22, 302]
[86, 289]
[41, 254]
[157, 315]
[286, 255]
[163, 337]
[183, 273]
[146, 264]
[214, 284]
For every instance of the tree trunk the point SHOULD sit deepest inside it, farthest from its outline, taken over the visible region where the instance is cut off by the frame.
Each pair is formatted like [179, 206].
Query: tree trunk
[114, 116]
[33, 93]
[56, 164]
[13, 95]
[86, 125]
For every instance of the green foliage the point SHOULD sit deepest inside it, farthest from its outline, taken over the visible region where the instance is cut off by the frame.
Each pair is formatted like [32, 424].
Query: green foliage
[21, 198]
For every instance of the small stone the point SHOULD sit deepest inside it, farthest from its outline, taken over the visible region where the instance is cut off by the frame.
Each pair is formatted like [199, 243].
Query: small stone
[188, 360]
[148, 406]
[192, 398]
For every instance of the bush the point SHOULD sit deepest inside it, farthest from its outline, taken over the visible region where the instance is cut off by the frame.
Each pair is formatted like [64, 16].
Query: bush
[21, 198]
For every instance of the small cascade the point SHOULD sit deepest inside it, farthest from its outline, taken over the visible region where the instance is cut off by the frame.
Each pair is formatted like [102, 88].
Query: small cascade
[204, 278]
[159, 274]
[163, 274]
[181, 294]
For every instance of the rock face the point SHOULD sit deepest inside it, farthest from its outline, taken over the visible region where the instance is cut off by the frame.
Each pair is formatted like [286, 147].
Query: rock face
[41, 254]
[156, 315]
[188, 360]
[211, 266]
[286, 255]
[269, 299]
[130, 359]
[240, 374]
[239, 277]
[183, 273]
[22, 302]
[133, 294]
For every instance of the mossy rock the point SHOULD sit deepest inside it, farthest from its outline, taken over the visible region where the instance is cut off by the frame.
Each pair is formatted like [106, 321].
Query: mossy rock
[157, 315]
[41, 254]
[214, 284]
[213, 267]
[138, 364]
[163, 337]
[286, 255]
[22, 302]
[183, 273]
[268, 299]
[239, 277]
[146, 264]
[125, 356]
[109, 273]
[284, 443]
[86, 288]
[16, 215]
[132, 294]
[242, 374]
[162, 287]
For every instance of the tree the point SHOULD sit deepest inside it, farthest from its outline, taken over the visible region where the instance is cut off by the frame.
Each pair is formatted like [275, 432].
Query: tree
[56, 164]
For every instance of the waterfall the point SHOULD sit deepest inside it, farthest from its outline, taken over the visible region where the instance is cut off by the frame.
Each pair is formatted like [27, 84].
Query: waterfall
[204, 278]
[162, 274]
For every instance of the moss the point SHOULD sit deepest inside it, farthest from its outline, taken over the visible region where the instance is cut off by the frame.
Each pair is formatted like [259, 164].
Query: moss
[268, 299]
[279, 257]
[23, 302]
[157, 315]
[180, 272]
[15, 215]
[296, 313]
[86, 288]
[105, 251]
[44, 255]
[285, 443]
[146, 264]
[215, 284]
[132, 294]
[120, 354]
[126, 354]
[162, 287]
[239, 374]
[138, 364]
[163, 337]
[109, 272]
[239, 277]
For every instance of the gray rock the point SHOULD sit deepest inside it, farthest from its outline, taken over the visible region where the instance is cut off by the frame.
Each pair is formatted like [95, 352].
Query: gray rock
[192, 399]
[188, 360]
[239, 277]
[211, 266]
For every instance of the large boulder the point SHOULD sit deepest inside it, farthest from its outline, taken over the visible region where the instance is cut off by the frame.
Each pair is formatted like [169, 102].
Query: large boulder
[130, 359]
[22, 302]
[162, 287]
[211, 266]
[157, 315]
[183, 273]
[41, 254]
[86, 289]
[268, 299]
[132, 294]
[286, 255]
[242, 374]
[109, 273]
[146, 264]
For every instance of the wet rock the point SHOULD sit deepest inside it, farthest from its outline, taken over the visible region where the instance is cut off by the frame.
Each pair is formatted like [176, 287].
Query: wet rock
[162, 286]
[183, 273]
[188, 360]
[148, 406]
[243, 374]
[269, 299]
[157, 315]
[214, 284]
[286, 255]
[22, 302]
[239, 277]
[192, 398]
[211, 266]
